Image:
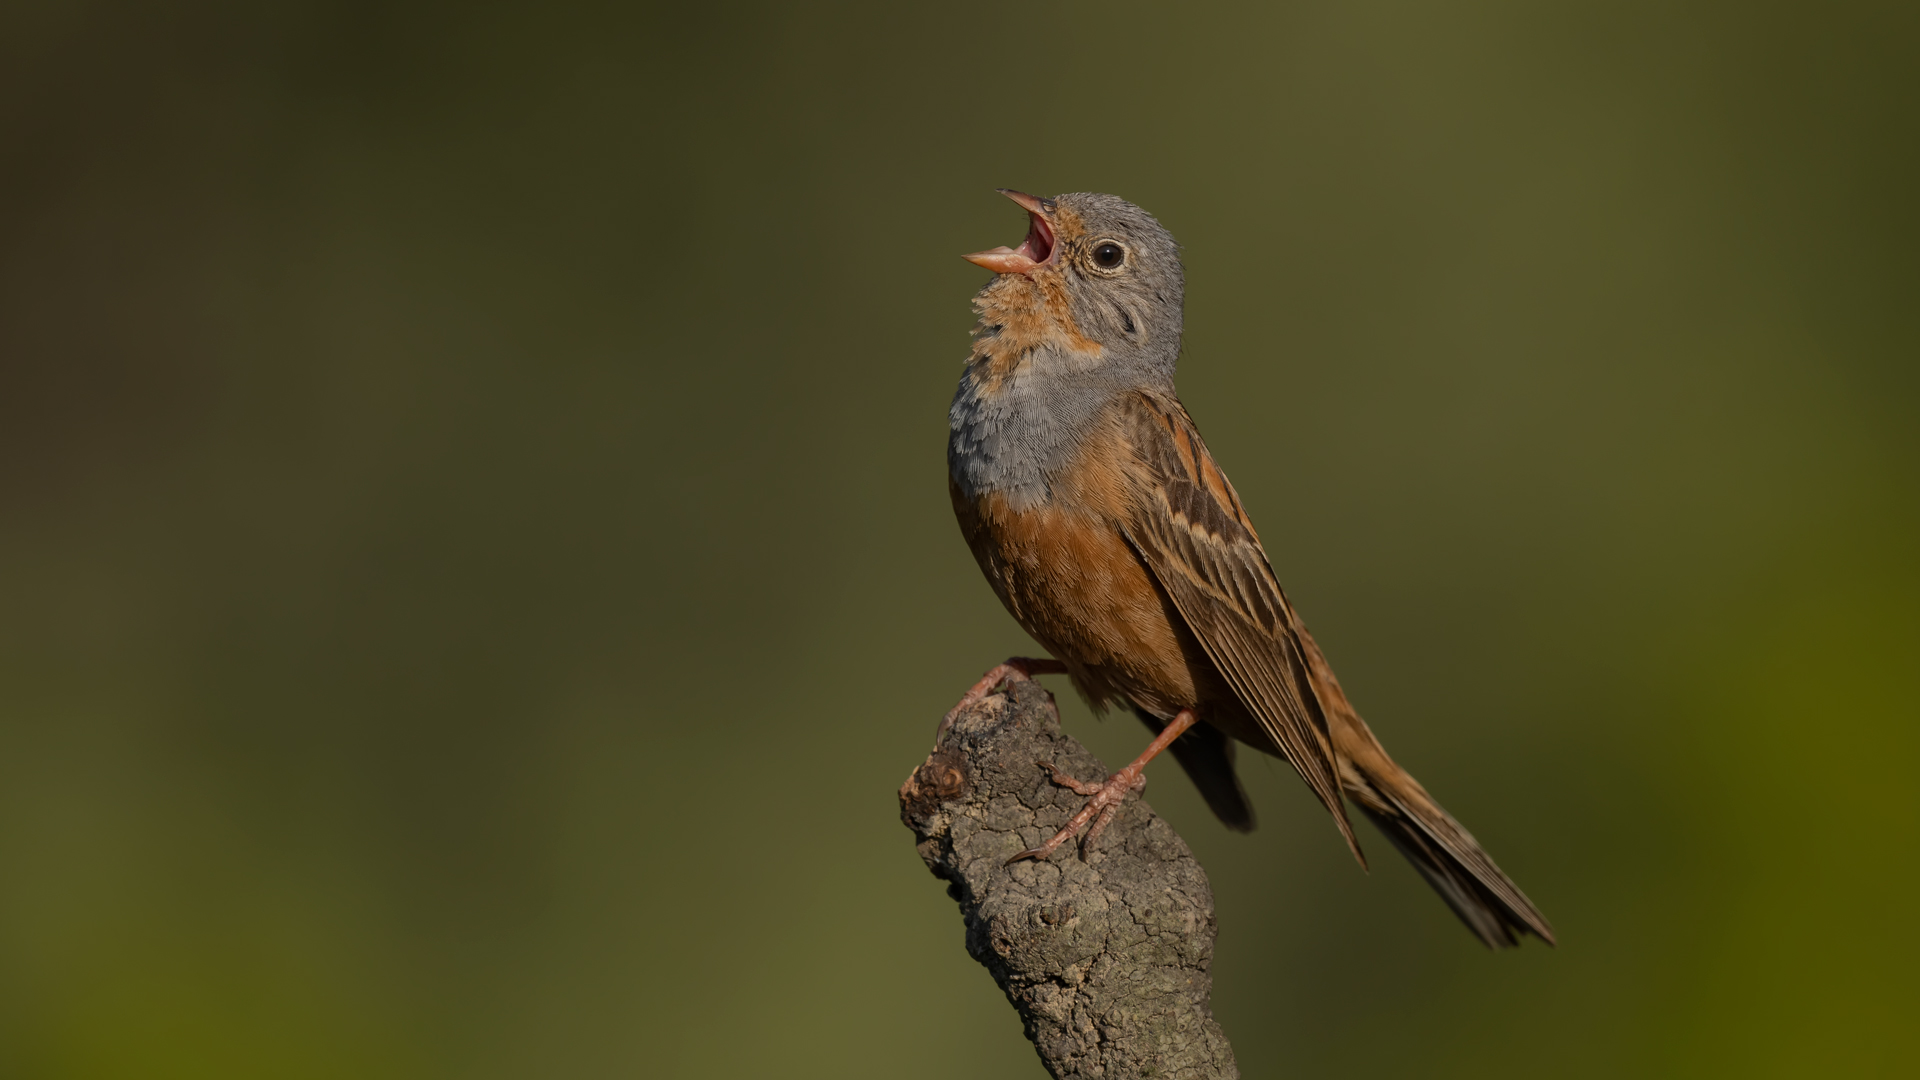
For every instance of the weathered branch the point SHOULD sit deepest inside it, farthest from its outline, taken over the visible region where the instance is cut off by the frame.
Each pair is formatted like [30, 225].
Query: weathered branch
[1107, 960]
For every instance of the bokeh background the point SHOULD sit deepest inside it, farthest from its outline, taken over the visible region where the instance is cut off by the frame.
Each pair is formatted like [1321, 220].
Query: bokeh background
[475, 562]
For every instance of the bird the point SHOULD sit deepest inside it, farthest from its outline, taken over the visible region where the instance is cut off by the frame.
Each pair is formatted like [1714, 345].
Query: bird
[1102, 522]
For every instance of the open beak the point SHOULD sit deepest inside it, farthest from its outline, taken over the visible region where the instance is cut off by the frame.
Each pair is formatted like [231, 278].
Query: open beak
[1035, 251]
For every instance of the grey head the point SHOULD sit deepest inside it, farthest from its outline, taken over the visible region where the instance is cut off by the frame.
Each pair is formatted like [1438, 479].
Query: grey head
[1124, 281]
[1088, 307]
[1117, 268]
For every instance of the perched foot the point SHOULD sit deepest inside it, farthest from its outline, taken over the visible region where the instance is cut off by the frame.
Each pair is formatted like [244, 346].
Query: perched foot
[1103, 803]
[1105, 799]
[1016, 667]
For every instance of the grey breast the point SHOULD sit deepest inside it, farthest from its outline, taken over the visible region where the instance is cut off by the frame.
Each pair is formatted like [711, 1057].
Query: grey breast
[1015, 440]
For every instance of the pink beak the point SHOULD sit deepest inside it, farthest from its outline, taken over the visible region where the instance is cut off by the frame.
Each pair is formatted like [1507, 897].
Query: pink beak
[1036, 250]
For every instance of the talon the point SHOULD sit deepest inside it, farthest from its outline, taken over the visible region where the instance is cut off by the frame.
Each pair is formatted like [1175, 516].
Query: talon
[1065, 781]
[1102, 804]
[1104, 799]
[1093, 832]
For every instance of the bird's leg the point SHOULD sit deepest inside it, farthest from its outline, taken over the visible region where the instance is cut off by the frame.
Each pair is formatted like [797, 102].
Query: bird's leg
[1105, 799]
[1016, 667]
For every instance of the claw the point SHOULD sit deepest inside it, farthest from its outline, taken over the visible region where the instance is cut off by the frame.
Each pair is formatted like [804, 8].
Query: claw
[1101, 806]
[1093, 831]
[1105, 799]
[1054, 774]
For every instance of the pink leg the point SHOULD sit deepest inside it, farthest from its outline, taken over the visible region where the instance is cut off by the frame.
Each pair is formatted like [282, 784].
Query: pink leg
[1106, 798]
[1016, 667]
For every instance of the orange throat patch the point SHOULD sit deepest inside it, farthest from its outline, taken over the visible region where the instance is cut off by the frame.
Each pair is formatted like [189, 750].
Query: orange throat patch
[1021, 314]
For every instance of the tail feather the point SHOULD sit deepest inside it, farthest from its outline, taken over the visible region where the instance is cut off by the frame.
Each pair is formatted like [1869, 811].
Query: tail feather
[1485, 899]
[1206, 755]
[1448, 856]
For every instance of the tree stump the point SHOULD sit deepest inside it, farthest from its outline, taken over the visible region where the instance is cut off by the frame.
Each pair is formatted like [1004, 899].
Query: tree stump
[1108, 960]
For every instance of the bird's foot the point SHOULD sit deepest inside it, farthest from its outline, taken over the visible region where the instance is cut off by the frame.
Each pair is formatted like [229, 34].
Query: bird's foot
[1104, 799]
[1103, 803]
[1016, 667]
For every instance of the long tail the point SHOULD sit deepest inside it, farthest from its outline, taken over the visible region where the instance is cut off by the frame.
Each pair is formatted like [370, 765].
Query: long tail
[1448, 856]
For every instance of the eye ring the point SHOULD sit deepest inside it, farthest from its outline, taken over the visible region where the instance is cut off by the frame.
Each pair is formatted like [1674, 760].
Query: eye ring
[1108, 255]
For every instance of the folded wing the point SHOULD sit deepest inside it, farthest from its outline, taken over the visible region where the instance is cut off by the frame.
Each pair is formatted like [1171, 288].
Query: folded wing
[1188, 527]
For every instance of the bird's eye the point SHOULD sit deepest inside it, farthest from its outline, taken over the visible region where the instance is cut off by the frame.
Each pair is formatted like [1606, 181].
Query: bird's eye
[1107, 254]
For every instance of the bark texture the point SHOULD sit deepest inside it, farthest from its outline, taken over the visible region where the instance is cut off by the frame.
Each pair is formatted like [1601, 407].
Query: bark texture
[1108, 960]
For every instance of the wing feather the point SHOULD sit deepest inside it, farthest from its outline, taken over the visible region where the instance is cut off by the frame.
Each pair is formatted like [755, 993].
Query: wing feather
[1190, 530]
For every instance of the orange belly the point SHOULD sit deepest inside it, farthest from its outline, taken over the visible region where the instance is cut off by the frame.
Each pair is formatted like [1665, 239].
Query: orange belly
[1072, 581]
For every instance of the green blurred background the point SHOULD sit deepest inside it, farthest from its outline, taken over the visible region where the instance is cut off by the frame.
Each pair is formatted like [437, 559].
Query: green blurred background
[475, 561]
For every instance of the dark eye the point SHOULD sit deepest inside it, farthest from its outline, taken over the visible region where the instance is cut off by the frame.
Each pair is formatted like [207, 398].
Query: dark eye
[1107, 255]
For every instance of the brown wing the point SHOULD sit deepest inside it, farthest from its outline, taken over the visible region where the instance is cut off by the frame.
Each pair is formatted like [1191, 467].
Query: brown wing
[1188, 526]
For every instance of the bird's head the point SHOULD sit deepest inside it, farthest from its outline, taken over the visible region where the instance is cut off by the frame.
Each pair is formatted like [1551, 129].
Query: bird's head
[1101, 268]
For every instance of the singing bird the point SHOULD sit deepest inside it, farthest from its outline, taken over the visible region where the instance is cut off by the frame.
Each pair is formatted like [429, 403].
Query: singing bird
[1103, 524]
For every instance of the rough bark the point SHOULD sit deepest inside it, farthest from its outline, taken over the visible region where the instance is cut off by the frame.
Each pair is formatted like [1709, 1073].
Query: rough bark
[1107, 960]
